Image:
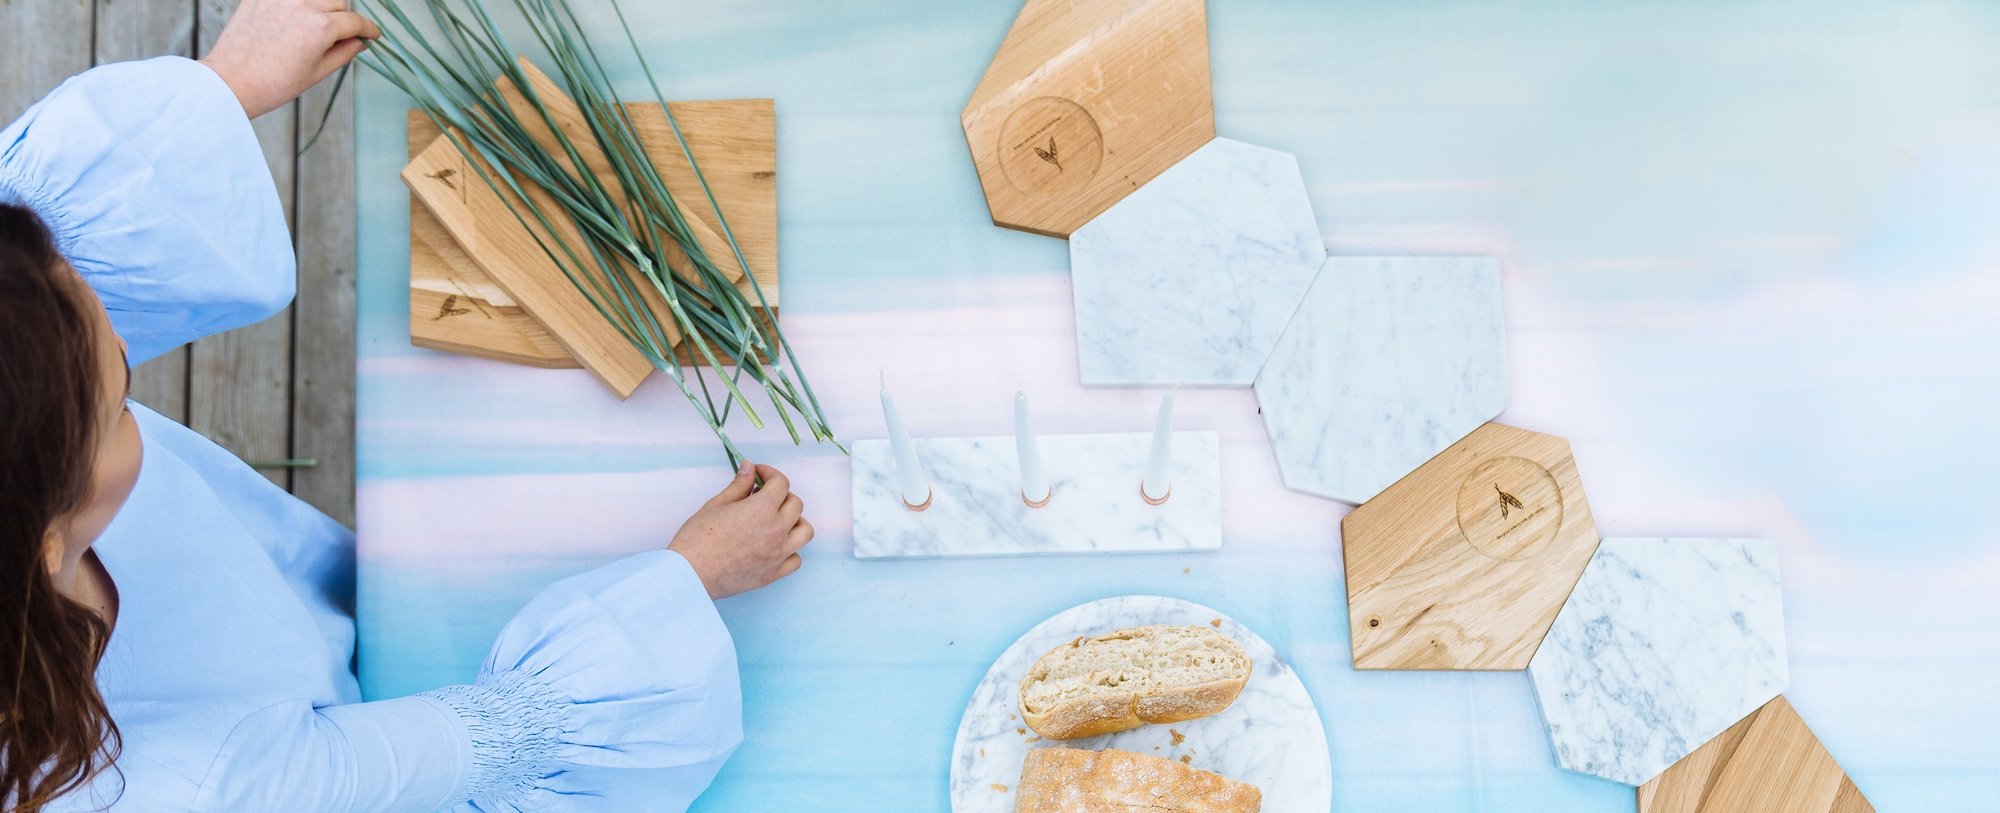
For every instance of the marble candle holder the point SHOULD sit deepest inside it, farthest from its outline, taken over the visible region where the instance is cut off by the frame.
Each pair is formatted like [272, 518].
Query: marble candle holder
[1095, 504]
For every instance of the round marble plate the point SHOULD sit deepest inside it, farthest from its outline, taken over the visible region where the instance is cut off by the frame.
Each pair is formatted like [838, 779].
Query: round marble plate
[1270, 737]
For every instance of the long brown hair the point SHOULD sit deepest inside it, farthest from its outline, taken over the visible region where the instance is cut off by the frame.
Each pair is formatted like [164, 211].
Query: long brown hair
[55, 731]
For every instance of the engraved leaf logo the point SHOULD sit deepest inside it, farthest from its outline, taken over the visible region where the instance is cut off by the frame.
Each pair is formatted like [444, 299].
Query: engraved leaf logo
[450, 308]
[1050, 154]
[445, 176]
[1506, 501]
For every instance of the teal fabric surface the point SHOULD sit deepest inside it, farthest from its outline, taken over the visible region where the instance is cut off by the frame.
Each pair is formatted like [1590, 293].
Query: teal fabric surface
[1749, 271]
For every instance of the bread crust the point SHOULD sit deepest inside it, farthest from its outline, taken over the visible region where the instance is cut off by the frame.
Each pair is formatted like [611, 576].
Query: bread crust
[1069, 780]
[1112, 712]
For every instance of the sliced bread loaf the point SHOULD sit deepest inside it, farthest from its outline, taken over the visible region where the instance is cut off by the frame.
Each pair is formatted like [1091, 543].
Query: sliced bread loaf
[1126, 679]
[1068, 780]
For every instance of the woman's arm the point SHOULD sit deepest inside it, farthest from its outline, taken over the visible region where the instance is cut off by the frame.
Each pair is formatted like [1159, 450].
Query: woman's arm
[155, 186]
[273, 50]
[617, 685]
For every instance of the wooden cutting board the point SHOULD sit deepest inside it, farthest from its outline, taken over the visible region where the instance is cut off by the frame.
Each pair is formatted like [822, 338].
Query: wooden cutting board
[454, 305]
[1085, 101]
[1770, 762]
[1463, 563]
[735, 143]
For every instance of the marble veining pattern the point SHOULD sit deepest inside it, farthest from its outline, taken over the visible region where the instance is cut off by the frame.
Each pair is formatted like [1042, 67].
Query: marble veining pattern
[1388, 361]
[1094, 505]
[1191, 278]
[1664, 644]
[1270, 737]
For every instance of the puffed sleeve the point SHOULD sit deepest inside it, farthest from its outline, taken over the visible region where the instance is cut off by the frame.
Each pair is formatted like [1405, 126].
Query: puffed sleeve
[156, 189]
[614, 690]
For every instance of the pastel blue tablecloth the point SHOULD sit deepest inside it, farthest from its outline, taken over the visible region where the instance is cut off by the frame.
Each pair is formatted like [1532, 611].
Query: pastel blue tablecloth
[1751, 260]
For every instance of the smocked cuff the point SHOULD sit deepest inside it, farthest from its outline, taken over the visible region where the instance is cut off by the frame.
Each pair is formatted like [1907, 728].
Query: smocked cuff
[515, 725]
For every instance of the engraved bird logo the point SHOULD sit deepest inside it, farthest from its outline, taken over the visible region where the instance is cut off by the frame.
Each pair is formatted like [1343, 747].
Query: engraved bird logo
[1506, 500]
[1050, 154]
[450, 308]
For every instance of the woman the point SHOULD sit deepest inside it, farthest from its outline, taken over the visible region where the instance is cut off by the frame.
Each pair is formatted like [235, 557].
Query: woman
[177, 630]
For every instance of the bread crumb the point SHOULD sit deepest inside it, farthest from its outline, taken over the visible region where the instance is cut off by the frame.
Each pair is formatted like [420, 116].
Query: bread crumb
[999, 788]
[1021, 731]
[1217, 623]
[982, 753]
[1184, 571]
[1177, 735]
[1034, 739]
[1187, 760]
[1078, 642]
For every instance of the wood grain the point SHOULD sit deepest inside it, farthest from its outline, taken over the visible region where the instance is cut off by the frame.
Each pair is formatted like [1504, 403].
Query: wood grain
[1769, 762]
[1463, 563]
[1085, 101]
[140, 29]
[41, 44]
[454, 306]
[322, 412]
[733, 141]
[240, 382]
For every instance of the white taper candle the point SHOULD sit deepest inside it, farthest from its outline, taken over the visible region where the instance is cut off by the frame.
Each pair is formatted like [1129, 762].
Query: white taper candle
[1034, 481]
[909, 472]
[1158, 483]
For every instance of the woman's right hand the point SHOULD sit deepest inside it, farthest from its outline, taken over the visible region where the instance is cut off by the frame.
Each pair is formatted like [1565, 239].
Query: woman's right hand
[747, 536]
[273, 50]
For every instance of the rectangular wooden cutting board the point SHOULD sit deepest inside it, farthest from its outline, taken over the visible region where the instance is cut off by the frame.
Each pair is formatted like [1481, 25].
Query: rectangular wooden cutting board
[480, 285]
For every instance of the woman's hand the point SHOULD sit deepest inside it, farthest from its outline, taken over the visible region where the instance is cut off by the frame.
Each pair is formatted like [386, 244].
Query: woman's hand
[747, 536]
[272, 50]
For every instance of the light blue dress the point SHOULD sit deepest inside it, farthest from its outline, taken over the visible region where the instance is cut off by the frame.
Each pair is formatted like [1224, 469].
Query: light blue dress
[230, 671]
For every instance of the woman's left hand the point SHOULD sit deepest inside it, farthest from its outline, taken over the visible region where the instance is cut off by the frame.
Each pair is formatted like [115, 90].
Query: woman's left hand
[273, 50]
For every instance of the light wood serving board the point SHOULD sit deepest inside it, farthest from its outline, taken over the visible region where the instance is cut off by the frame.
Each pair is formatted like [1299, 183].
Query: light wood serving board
[736, 145]
[1085, 101]
[454, 305]
[1464, 563]
[1770, 762]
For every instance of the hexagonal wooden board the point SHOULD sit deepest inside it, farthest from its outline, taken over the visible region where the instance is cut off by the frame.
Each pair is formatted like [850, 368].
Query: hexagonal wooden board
[1770, 762]
[1085, 101]
[1464, 563]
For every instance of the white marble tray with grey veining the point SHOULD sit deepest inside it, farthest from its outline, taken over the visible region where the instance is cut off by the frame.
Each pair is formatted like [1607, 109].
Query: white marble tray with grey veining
[1270, 737]
[1663, 644]
[1191, 278]
[1388, 361]
[1095, 505]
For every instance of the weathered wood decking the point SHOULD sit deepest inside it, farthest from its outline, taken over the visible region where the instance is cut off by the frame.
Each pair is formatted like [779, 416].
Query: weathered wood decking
[281, 390]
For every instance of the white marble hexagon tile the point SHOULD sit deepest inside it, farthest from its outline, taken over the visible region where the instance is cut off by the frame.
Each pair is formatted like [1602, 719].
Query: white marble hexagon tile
[1191, 277]
[1664, 644]
[1388, 361]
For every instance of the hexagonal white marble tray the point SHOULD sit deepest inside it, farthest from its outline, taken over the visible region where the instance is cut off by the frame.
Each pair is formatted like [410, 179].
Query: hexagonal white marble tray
[1663, 644]
[1191, 278]
[1388, 361]
[1270, 737]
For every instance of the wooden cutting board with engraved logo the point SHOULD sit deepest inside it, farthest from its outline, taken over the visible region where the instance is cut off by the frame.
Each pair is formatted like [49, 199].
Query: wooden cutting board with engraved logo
[457, 305]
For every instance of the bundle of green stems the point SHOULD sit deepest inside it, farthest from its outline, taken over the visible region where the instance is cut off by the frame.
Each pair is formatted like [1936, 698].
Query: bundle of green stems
[616, 251]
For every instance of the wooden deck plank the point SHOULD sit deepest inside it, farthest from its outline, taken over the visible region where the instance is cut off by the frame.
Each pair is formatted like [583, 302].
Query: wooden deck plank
[240, 383]
[140, 29]
[46, 41]
[323, 317]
